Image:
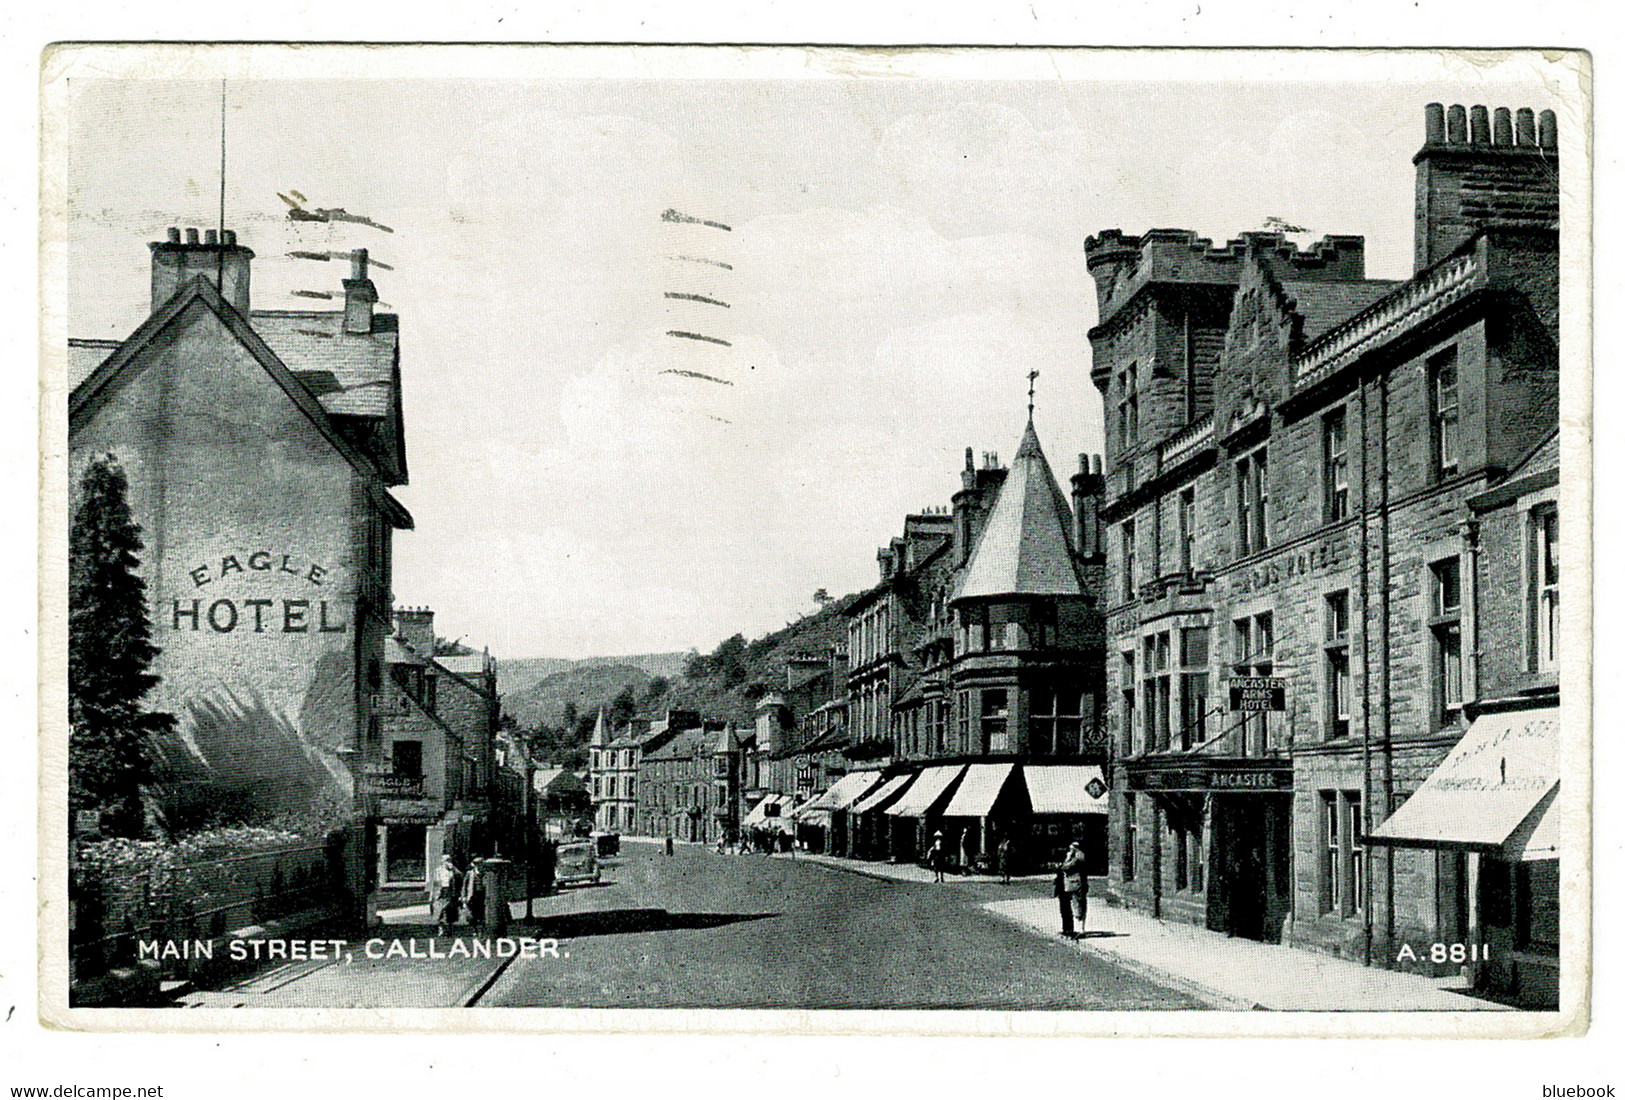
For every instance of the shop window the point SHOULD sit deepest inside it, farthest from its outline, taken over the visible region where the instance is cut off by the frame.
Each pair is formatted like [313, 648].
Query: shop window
[1252, 502]
[1445, 627]
[1335, 464]
[1193, 686]
[1543, 586]
[1445, 413]
[405, 860]
[1535, 898]
[1181, 847]
[1337, 664]
[1131, 835]
[996, 720]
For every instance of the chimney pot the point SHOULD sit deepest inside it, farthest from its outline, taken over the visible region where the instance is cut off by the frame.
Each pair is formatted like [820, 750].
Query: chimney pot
[209, 237]
[229, 237]
[1456, 128]
[1503, 126]
[174, 234]
[358, 264]
[1548, 129]
[1433, 117]
[1526, 126]
[191, 236]
[1480, 125]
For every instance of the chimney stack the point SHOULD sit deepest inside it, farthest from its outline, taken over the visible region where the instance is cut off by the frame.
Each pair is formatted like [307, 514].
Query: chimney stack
[176, 262]
[1088, 487]
[415, 627]
[1477, 169]
[359, 295]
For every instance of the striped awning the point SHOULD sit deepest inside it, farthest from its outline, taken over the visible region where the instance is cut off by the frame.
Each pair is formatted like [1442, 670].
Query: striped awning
[980, 789]
[847, 790]
[929, 790]
[882, 794]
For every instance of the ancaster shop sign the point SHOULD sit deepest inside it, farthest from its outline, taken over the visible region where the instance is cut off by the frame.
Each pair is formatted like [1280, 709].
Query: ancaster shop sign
[1217, 777]
[301, 611]
[1252, 694]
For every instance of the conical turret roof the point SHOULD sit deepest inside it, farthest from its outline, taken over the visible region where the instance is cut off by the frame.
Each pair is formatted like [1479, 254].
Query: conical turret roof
[1026, 547]
[600, 732]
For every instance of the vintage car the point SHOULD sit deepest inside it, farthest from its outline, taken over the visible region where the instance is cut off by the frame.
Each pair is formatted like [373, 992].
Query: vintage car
[577, 863]
[609, 844]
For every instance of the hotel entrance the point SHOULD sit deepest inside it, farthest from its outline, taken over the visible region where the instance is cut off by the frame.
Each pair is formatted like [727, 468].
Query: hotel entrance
[1251, 891]
[1243, 805]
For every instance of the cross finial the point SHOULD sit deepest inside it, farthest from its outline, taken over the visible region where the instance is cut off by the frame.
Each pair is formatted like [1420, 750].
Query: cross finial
[1032, 379]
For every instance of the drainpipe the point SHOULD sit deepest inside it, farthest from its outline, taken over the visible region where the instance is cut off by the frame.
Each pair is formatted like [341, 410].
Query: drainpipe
[1387, 676]
[1365, 654]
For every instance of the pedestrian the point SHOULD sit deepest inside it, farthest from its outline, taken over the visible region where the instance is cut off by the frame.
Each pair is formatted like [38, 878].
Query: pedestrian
[1077, 884]
[1004, 859]
[964, 852]
[1066, 904]
[447, 885]
[670, 847]
[936, 857]
[474, 895]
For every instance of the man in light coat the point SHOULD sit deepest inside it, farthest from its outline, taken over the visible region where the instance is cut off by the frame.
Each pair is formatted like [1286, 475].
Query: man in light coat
[1076, 882]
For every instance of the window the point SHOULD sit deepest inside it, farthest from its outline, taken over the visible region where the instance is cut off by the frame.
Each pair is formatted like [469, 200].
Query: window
[1337, 664]
[1193, 686]
[1446, 413]
[1331, 854]
[1252, 502]
[1543, 563]
[405, 854]
[1198, 864]
[1445, 624]
[938, 714]
[1053, 728]
[1355, 898]
[1127, 733]
[1335, 463]
[1131, 835]
[1157, 692]
[996, 720]
[1181, 845]
[1128, 559]
[1253, 653]
[964, 721]
[1128, 408]
[406, 759]
[1187, 530]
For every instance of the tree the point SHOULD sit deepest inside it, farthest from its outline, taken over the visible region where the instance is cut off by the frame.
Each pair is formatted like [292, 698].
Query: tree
[623, 709]
[822, 598]
[110, 755]
[655, 689]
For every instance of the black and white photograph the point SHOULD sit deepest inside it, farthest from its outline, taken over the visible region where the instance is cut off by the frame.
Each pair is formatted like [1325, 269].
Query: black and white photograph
[990, 540]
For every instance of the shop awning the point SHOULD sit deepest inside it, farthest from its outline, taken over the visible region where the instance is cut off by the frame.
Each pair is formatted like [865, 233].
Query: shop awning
[929, 789]
[847, 790]
[1065, 788]
[815, 817]
[765, 812]
[1539, 837]
[980, 789]
[1500, 773]
[881, 794]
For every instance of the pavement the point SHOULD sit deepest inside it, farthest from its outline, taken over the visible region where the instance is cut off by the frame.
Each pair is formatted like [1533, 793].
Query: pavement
[1232, 973]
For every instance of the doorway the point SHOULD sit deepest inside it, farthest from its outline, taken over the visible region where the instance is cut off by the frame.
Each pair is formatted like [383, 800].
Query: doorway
[1252, 866]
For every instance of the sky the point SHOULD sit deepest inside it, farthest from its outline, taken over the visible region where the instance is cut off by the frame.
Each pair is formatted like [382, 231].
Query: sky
[901, 253]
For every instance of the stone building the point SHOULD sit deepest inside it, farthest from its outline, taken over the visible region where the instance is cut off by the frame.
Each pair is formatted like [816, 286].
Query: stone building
[1293, 453]
[434, 779]
[688, 786]
[260, 447]
[614, 760]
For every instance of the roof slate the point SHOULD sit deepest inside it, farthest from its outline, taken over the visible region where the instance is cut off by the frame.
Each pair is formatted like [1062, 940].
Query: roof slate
[1026, 547]
[1324, 305]
[361, 364]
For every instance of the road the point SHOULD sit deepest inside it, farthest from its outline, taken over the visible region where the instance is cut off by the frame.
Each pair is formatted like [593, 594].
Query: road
[698, 929]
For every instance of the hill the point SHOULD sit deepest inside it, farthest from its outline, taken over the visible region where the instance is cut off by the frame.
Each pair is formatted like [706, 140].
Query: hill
[515, 674]
[587, 686]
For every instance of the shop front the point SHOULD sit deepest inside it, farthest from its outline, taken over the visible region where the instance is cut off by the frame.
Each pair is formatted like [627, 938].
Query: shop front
[870, 827]
[1493, 805]
[914, 818]
[822, 824]
[1220, 840]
